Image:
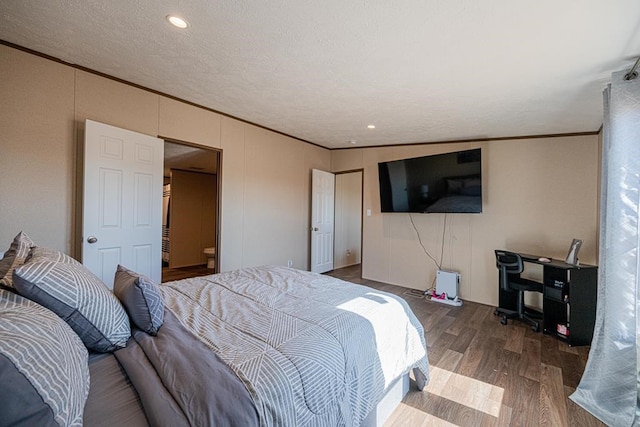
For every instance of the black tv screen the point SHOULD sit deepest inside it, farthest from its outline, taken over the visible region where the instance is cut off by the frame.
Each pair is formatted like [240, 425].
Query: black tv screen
[441, 183]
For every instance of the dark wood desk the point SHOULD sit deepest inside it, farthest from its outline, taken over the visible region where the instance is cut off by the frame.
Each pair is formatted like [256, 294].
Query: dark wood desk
[569, 299]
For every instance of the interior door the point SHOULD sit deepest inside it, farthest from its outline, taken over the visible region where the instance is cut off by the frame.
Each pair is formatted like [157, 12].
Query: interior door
[322, 219]
[122, 204]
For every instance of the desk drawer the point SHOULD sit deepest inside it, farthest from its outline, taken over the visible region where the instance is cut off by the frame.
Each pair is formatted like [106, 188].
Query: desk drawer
[556, 290]
[553, 293]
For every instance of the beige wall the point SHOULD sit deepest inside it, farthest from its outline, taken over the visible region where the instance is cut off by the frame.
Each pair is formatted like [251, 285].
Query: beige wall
[36, 149]
[265, 176]
[192, 217]
[538, 195]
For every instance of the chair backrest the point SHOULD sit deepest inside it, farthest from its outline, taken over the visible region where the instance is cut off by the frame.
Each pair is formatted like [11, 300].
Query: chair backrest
[508, 263]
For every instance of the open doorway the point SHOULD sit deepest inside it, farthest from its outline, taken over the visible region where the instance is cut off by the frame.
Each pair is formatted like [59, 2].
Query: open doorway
[191, 206]
[348, 219]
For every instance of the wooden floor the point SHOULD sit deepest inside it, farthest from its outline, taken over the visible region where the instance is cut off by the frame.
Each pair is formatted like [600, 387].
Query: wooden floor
[484, 373]
[169, 274]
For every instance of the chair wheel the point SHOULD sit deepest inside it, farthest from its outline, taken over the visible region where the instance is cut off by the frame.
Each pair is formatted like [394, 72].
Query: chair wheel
[503, 320]
[496, 312]
[535, 328]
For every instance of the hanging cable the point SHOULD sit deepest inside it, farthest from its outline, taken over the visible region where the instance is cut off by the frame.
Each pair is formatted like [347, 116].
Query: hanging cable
[421, 244]
[632, 74]
[444, 230]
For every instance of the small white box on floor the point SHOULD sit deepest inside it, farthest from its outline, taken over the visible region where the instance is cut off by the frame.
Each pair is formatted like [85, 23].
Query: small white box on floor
[447, 287]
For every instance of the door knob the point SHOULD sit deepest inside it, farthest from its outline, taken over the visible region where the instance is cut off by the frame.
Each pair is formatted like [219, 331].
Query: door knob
[92, 239]
[316, 229]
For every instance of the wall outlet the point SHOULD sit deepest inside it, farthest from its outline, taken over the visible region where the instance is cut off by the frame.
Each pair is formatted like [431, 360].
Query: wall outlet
[348, 252]
[289, 263]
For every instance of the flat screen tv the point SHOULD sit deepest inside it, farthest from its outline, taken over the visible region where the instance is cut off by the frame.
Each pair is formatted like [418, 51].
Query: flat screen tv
[441, 183]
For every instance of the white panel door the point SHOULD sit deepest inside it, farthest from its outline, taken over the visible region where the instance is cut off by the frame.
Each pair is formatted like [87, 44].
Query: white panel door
[122, 202]
[322, 218]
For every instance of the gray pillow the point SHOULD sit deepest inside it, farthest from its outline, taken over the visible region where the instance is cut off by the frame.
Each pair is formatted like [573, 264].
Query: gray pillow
[43, 366]
[14, 257]
[141, 298]
[80, 298]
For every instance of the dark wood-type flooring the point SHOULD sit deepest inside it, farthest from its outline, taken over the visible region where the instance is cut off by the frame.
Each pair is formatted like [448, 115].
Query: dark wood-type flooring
[484, 373]
[169, 274]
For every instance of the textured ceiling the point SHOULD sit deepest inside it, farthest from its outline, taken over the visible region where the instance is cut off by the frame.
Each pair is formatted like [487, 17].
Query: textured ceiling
[420, 70]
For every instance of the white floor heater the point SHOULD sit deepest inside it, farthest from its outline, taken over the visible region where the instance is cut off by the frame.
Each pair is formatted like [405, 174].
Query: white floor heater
[446, 292]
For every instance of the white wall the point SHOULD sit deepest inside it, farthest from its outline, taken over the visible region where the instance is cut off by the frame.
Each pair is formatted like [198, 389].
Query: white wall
[265, 176]
[348, 220]
[538, 194]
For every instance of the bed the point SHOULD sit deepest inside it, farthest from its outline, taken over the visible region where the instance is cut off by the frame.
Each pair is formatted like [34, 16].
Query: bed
[267, 346]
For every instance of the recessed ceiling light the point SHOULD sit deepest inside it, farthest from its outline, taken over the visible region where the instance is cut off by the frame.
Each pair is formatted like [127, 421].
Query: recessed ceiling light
[177, 21]
[371, 126]
[353, 141]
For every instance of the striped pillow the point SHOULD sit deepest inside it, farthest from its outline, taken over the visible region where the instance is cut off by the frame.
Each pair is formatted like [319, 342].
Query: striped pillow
[14, 257]
[141, 298]
[76, 295]
[43, 366]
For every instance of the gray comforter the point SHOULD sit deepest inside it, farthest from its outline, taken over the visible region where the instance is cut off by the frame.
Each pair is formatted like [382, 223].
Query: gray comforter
[310, 349]
[181, 382]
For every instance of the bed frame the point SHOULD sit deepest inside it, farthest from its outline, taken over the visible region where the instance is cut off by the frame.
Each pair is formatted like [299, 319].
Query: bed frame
[389, 402]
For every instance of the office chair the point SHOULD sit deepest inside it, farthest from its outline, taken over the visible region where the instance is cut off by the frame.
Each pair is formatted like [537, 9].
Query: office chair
[510, 266]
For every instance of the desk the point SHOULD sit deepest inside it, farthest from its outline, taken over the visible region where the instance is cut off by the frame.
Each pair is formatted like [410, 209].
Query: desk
[569, 299]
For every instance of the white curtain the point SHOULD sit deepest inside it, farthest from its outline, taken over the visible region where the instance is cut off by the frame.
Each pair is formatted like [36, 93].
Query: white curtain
[609, 387]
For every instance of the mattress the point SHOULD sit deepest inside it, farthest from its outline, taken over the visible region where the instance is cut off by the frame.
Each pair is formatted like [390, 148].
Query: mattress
[311, 349]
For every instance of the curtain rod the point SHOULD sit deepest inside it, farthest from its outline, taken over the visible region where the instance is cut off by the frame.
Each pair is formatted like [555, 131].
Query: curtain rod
[632, 73]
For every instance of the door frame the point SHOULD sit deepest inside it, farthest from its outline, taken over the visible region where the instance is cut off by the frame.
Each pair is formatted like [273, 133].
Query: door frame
[218, 209]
